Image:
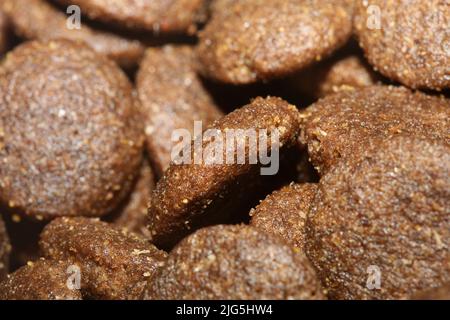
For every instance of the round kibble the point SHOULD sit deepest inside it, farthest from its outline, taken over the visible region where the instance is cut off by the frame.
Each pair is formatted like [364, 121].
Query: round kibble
[284, 213]
[159, 16]
[264, 39]
[70, 135]
[407, 41]
[234, 262]
[41, 280]
[38, 20]
[379, 226]
[114, 264]
[341, 124]
[190, 196]
[172, 97]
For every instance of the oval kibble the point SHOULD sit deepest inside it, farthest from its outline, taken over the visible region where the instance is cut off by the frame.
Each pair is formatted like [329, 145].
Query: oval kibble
[38, 20]
[283, 213]
[383, 215]
[264, 39]
[40, 280]
[114, 264]
[159, 16]
[190, 196]
[407, 41]
[172, 97]
[70, 133]
[234, 262]
[340, 124]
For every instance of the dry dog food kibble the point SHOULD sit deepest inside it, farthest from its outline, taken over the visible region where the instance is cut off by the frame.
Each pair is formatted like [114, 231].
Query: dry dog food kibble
[70, 134]
[159, 16]
[407, 41]
[441, 293]
[172, 97]
[379, 227]
[283, 213]
[114, 264]
[340, 124]
[5, 249]
[261, 39]
[193, 195]
[234, 262]
[37, 19]
[40, 280]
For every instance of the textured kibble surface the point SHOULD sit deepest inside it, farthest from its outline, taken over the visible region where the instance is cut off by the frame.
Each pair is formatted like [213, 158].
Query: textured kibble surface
[172, 97]
[407, 41]
[132, 215]
[39, 20]
[189, 196]
[383, 215]
[284, 213]
[5, 248]
[247, 41]
[234, 262]
[340, 124]
[40, 280]
[341, 73]
[114, 264]
[441, 293]
[159, 16]
[70, 135]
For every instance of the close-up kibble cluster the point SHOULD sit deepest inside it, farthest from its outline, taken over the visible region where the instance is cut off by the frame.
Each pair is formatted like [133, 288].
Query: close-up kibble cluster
[111, 185]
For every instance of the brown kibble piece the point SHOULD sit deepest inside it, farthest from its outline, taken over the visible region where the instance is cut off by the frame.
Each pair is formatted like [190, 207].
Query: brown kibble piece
[38, 20]
[172, 97]
[40, 280]
[379, 227]
[133, 215]
[114, 264]
[5, 249]
[284, 212]
[264, 39]
[441, 293]
[234, 262]
[70, 135]
[407, 41]
[190, 196]
[340, 124]
[159, 16]
[337, 74]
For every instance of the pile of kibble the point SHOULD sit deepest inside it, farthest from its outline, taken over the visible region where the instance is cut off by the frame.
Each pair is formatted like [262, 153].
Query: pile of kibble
[94, 207]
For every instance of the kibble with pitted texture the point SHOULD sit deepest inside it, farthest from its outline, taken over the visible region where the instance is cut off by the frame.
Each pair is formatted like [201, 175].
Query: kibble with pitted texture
[340, 124]
[5, 248]
[159, 16]
[379, 226]
[42, 280]
[264, 39]
[38, 20]
[407, 41]
[114, 264]
[172, 97]
[234, 262]
[284, 212]
[190, 196]
[70, 134]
